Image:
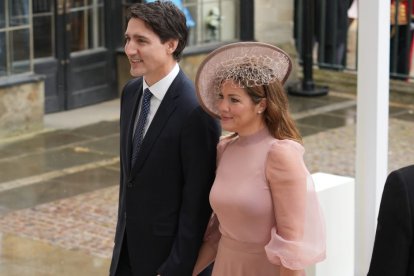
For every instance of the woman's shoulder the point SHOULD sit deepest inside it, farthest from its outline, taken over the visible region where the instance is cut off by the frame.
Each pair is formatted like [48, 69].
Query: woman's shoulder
[284, 157]
[227, 138]
[285, 152]
[286, 145]
[224, 141]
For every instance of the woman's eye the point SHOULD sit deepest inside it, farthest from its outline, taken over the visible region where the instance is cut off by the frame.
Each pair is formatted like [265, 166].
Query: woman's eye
[234, 100]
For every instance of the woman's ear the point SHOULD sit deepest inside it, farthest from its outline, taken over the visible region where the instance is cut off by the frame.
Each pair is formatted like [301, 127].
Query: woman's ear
[263, 104]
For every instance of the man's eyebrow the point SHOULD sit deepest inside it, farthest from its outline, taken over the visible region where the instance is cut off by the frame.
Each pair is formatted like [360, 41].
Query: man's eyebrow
[135, 36]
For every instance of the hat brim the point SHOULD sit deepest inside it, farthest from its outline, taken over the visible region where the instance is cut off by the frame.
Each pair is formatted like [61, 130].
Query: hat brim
[206, 73]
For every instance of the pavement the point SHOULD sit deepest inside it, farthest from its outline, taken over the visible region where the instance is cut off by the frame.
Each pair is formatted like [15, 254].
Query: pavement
[59, 187]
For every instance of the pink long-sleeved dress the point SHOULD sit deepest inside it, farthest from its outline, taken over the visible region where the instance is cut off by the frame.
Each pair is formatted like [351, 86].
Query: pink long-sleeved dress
[267, 208]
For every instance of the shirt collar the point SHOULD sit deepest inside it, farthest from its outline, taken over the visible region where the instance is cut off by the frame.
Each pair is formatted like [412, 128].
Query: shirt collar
[159, 89]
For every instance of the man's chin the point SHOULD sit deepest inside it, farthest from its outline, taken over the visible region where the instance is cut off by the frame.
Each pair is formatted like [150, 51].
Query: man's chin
[135, 73]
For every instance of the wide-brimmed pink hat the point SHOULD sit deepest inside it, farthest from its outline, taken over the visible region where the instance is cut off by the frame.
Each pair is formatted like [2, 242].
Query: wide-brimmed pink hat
[248, 64]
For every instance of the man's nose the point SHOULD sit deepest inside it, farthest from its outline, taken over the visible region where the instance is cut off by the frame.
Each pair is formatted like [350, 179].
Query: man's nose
[129, 49]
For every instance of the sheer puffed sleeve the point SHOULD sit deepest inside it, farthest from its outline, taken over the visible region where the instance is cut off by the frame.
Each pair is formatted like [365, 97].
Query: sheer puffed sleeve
[298, 238]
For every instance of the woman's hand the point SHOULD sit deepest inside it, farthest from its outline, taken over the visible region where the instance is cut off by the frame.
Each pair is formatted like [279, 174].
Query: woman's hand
[287, 272]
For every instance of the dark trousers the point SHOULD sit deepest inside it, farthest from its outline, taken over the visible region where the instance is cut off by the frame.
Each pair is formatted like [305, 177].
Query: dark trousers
[400, 51]
[124, 266]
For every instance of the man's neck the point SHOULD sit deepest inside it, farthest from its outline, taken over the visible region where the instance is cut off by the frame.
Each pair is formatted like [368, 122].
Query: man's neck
[162, 73]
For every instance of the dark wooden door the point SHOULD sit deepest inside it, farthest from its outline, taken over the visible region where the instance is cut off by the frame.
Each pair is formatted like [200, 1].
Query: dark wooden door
[72, 53]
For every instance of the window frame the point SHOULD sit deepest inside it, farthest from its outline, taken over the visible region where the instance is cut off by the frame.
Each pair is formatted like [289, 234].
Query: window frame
[7, 31]
[198, 4]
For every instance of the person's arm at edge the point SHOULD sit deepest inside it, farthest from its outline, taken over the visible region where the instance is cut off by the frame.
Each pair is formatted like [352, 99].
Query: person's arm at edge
[394, 234]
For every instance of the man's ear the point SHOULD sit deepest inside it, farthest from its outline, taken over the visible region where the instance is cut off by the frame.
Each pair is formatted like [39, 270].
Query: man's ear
[172, 44]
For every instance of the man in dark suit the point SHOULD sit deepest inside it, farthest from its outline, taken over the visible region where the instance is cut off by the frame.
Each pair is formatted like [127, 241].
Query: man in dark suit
[393, 252]
[331, 31]
[167, 158]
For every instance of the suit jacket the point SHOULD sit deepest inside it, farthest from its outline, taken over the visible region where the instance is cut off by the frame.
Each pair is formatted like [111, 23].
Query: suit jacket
[163, 199]
[393, 252]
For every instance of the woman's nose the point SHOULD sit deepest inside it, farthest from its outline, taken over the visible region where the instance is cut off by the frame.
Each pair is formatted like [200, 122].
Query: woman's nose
[222, 105]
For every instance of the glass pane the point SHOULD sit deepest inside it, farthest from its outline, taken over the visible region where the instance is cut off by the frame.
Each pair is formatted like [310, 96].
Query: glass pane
[20, 51]
[78, 29]
[43, 36]
[192, 35]
[96, 31]
[43, 28]
[19, 12]
[42, 6]
[229, 21]
[2, 15]
[212, 21]
[2, 54]
[79, 3]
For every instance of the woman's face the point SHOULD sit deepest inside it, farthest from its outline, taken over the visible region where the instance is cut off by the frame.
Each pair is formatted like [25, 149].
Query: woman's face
[238, 113]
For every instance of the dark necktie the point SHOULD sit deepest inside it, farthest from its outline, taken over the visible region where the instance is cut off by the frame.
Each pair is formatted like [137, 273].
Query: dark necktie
[142, 120]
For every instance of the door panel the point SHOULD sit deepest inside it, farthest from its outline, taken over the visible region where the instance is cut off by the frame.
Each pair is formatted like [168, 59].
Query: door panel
[49, 68]
[46, 61]
[69, 43]
[88, 75]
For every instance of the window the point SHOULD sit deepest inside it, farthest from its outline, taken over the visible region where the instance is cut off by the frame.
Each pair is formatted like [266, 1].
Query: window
[15, 33]
[215, 20]
[43, 28]
[207, 20]
[86, 19]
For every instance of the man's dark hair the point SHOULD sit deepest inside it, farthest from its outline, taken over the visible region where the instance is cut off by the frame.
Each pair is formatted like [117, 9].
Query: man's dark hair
[165, 19]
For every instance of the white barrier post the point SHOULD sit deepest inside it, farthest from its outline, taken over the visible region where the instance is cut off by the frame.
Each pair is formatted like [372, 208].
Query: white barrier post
[336, 196]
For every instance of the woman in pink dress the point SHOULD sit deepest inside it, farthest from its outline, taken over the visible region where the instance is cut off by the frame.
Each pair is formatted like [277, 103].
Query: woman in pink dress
[267, 220]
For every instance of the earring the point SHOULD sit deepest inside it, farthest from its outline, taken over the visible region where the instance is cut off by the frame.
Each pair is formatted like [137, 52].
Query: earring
[259, 112]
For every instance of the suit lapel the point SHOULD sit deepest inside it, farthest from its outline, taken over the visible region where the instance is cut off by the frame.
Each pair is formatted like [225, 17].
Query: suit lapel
[164, 111]
[130, 130]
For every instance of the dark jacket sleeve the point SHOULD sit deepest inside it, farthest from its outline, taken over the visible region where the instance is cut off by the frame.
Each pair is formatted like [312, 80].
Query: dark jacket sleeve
[198, 152]
[394, 235]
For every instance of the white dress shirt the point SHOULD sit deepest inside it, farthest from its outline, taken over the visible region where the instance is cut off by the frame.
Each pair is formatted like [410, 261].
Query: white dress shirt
[158, 90]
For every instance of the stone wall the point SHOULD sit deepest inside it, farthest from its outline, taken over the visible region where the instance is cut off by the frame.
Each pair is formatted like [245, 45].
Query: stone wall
[274, 21]
[21, 108]
[274, 25]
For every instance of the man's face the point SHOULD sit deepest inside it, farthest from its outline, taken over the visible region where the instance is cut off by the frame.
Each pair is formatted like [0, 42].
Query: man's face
[147, 56]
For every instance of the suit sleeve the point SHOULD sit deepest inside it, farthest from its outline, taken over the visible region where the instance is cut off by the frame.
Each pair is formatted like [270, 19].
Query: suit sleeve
[121, 175]
[198, 154]
[394, 234]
